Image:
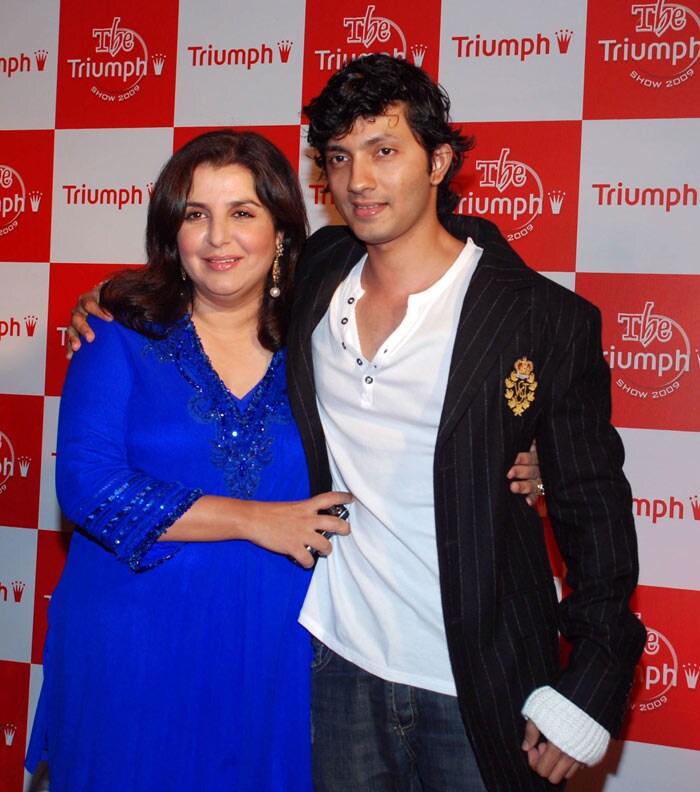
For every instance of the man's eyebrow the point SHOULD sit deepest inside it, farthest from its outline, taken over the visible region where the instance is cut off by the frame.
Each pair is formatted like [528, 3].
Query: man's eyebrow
[383, 137]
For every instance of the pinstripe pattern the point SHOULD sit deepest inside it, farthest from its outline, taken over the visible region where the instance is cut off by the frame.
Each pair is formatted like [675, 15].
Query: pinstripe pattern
[498, 597]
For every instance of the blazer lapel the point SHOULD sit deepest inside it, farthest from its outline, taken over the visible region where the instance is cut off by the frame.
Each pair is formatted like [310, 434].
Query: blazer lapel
[492, 310]
[326, 269]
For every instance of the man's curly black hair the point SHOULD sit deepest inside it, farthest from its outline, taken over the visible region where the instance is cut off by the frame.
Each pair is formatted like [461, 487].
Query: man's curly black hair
[365, 88]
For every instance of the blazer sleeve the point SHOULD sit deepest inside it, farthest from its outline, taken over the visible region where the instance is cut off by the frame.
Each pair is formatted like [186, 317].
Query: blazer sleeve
[98, 489]
[590, 505]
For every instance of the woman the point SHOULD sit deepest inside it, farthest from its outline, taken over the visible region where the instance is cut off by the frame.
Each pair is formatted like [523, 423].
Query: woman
[194, 673]
[185, 467]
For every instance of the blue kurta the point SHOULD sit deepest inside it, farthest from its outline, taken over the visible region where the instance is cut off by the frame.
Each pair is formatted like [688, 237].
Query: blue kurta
[168, 665]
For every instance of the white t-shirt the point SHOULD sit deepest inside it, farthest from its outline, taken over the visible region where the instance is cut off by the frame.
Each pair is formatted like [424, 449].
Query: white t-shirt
[376, 599]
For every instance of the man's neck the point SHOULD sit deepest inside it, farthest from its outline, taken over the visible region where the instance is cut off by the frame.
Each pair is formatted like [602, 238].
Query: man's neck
[410, 265]
[390, 275]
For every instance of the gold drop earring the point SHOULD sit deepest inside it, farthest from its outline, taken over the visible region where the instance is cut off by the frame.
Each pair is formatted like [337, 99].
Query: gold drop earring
[275, 288]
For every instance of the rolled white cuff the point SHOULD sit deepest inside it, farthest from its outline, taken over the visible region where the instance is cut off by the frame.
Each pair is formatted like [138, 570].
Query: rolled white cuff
[566, 725]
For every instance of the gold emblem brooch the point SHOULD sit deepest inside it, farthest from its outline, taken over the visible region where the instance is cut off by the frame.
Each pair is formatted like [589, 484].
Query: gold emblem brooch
[520, 386]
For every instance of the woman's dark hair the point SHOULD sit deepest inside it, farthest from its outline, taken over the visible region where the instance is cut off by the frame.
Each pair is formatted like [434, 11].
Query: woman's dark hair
[365, 88]
[152, 298]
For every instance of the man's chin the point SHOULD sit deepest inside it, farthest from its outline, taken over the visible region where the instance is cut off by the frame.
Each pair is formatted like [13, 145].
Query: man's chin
[366, 236]
[368, 233]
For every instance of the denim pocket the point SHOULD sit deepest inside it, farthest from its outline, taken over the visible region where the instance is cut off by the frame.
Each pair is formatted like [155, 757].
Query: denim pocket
[322, 654]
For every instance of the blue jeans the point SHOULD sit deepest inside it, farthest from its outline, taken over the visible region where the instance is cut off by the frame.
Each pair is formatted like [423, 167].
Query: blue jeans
[369, 735]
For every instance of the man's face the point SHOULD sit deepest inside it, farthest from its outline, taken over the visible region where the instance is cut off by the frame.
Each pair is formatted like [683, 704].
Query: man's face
[379, 178]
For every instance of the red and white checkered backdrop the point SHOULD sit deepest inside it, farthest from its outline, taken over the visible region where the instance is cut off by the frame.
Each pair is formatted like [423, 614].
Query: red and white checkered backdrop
[587, 123]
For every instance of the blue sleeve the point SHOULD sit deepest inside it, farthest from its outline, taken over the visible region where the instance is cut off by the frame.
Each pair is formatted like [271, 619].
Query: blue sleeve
[121, 507]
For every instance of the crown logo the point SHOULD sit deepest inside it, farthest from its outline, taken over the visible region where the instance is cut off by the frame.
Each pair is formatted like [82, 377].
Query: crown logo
[24, 463]
[18, 590]
[692, 672]
[158, 60]
[695, 505]
[9, 732]
[418, 52]
[30, 324]
[563, 40]
[285, 47]
[523, 368]
[35, 199]
[556, 199]
[40, 56]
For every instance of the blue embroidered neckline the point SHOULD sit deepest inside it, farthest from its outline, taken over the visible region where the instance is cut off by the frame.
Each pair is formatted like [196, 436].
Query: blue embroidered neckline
[242, 445]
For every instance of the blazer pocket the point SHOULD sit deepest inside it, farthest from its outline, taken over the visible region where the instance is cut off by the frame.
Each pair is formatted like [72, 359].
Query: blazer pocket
[531, 611]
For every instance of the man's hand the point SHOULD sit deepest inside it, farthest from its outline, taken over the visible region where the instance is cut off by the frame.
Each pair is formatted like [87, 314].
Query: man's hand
[545, 758]
[88, 303]
[525, 476]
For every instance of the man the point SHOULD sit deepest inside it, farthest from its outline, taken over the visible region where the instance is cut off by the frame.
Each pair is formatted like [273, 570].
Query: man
[424, 356]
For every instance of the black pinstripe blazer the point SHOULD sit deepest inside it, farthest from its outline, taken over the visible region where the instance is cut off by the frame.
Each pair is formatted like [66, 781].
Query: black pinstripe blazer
[501, 613]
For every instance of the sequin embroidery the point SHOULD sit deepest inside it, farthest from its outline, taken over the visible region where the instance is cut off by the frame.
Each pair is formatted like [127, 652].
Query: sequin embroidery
[242, 446]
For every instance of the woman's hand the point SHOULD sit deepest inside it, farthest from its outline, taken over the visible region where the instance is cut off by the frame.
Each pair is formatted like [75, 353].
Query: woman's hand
[285, 527]
[88, 303]
[294, 528]
[525, 476]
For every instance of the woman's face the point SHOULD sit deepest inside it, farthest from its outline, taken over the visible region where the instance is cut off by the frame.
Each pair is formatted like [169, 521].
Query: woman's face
[227, 239]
